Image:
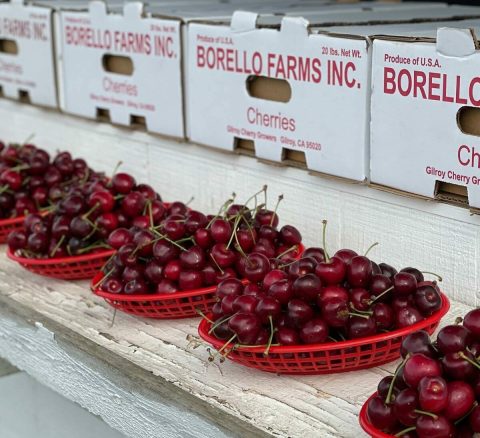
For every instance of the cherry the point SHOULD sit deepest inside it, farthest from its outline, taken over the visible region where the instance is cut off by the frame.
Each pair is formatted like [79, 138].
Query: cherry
[40, 195]
[147, 191]
[268, 232]
[265, 247]
[272, 277]
[203, 238]
[17, 240]
[133, 205]
[456, 367]
[314, 331]
[246, 239]
[80, 227]
[384, 386]
[281, 291]
[221, 231]
[360, 327]
[415, 272]
[137, 287]
[417, 342]
[427, 299]
[172, 269]
[346, 255]
[404, 283]
[194, 221]
[113, 286]
[164, 251]
[73, 205]
[224, 257]
[400, 302]
[257, 267]
[123, 183]
[127, 254]
[266, 217]
[379, 284]
[287, 336]
[12, 179]
[472, 322]
[307, 287]
[132, 273]
[245, 303]
[332, 293]
[227, 304]
[267, 308]
[103, 199]
[119, 237]
[380, 414]
[332, 271]
[223, 275]
[246, 326]
[383, 315]
[37, 242]
[453, 338]
[189, 280]
[359, 271]
[231, 286]
[299, 312]
[433, 394]
[193, 258]
[335, 312]
[418, 366]
[318, 254]
[306, 265]
[166, 287]
[154, 271]
[460, 400]
[290, 235]
[24, 207]
[404, 406]
[407, 316]
[178, 208]
[376, 269]
[209, 275]
[106, 223]
[158, 211]
[433, 427]
[360, 299]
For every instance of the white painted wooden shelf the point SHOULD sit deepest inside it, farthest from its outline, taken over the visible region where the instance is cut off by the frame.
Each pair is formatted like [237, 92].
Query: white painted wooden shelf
[138, 374]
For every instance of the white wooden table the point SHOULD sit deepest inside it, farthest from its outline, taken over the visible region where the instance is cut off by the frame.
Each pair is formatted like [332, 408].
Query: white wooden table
[139, 375]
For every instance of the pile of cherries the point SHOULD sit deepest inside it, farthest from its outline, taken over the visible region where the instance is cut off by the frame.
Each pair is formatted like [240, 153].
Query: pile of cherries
[435, 391]
[189, 250]
[83, 218]
[31, 181]
[319, 299]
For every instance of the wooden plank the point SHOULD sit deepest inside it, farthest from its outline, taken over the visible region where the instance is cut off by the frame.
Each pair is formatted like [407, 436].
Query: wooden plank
[6, 368]
[155, 354]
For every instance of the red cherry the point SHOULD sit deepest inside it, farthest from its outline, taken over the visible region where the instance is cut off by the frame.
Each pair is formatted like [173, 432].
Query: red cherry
[331, 272]
[433, 394]
[419, 366]
[359, 271]
[314, 331]
[123, 183]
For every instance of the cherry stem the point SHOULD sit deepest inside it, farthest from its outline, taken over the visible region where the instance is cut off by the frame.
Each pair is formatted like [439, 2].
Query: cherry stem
[234, 231]
[381, 295]
[29, 138]
[94, 246]
[254, 196]
[404, 431]
[89, 212]
[150, 214]
[114, 316]
[392, 383]
[204, 316]
[280, 198]
[58, 245]
[465, 357]
[115, 169]
[99, 282]
[270, 338]
[433, 273]
[458, 320]
[225, 205]
[226, 344]
[218, 266]
[292, 248]
[327, 257]
[360, 315]
[373, 245]
[362, 312]
[219, 322]
[419, 411]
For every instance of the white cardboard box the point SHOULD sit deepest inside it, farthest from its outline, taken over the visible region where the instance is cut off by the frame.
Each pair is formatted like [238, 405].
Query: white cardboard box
[29, 74]
[425, 112]
[325, 107]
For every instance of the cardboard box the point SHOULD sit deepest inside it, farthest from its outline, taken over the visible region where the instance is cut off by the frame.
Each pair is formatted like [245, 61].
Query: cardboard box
[27, 69]
[426, 112]
[295, 91]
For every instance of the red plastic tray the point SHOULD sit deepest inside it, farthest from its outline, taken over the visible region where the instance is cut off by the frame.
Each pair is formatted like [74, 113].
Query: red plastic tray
[9, 225]
[67, 268]
[160, 306]
[368, 427]
[334, 357]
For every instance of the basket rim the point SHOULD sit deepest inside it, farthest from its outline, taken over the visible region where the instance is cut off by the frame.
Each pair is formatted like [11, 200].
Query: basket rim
[149, 297]
[204, 326]
[365, 423]
[19, 219]
[59, 260]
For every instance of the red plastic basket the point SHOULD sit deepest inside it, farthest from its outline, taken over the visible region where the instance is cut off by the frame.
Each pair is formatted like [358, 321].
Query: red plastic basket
[67, 268]
[9, 225]
[326, 358]
[367, 426]
[160, 306]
